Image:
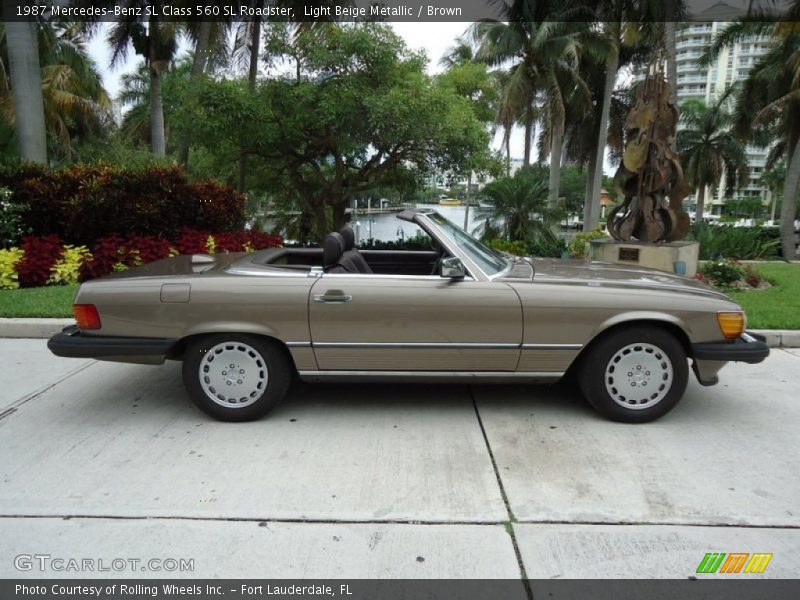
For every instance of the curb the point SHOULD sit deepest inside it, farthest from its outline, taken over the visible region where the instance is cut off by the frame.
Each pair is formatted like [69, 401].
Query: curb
[32, 328]
[780, 338]
[44, 328]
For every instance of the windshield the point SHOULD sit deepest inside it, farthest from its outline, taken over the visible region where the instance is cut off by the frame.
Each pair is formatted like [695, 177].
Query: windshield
[488, 260]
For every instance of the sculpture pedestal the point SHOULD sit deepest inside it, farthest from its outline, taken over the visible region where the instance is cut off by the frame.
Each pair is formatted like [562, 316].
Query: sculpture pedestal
[674, 257]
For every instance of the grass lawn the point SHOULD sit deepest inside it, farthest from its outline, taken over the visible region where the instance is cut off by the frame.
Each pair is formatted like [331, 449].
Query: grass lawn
[777, 307]
[52, 301]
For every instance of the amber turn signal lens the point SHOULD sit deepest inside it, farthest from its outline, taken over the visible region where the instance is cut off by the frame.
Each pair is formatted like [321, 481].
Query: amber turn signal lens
[86, 315]
[731, 324]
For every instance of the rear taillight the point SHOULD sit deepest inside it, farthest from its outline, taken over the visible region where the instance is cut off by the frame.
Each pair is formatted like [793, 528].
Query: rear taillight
[86, 315]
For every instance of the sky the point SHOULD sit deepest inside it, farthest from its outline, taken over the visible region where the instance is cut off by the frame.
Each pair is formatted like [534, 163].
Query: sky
[433, 38]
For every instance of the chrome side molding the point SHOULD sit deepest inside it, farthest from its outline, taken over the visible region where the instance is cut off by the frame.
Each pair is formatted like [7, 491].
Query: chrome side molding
[432, 376]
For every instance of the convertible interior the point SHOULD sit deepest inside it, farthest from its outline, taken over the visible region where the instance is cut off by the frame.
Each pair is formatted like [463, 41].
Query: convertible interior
[341, 256]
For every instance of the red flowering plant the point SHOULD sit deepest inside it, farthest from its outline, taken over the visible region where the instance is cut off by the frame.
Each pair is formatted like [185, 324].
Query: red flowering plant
[36, 265]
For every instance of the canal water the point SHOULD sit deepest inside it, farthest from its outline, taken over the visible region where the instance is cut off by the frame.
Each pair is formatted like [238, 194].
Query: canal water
[387, 227]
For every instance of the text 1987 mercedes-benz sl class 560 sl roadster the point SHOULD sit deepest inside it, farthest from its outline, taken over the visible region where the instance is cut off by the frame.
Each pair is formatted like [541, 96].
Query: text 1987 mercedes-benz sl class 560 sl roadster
[245, 324]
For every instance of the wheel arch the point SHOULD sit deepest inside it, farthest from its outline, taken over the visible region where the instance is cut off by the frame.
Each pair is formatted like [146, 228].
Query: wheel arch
[178, 351]
[668, 323]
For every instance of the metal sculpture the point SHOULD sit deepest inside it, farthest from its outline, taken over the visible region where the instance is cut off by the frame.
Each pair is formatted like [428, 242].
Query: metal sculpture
[650, 178]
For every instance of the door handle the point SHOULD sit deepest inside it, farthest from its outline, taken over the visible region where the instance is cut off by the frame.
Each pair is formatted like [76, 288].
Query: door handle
[333, 296]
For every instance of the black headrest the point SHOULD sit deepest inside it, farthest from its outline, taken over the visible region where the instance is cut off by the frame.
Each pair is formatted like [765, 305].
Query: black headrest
[349, 237]
[334, 248]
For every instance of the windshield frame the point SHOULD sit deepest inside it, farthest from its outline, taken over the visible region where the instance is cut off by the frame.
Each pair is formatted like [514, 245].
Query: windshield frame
[436, 225]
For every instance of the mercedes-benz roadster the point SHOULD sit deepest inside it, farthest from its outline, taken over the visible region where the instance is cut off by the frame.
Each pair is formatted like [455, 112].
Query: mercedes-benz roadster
[245, 324]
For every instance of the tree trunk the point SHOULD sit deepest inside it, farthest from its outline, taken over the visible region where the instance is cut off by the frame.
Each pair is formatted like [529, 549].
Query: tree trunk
[157, 136]
[508, 153]
[791, 188]
[587, 202]
[320, 219]
[555, 164]
[255, 49]
[466, 208]
[528, 135]
[593, 201]
[339, 215]
[26, 89]
[252, 76]
[701, 199]
[198, 67]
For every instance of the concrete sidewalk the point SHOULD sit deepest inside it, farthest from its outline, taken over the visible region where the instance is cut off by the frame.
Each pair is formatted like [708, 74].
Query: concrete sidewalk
[102, 461]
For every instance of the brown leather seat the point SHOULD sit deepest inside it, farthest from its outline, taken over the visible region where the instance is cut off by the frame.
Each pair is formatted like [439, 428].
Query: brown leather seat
[352, 255]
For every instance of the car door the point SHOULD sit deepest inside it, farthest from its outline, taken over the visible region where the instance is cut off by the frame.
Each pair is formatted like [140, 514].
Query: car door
[413, 323]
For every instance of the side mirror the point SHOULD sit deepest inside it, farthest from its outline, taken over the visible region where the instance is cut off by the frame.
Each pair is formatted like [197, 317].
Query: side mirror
[452, 268]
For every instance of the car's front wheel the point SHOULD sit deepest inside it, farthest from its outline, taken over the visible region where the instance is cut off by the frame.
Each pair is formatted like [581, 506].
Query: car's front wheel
[634, 375]
[235, 377]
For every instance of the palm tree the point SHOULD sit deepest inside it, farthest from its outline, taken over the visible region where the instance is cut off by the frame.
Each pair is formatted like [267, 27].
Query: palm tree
[26, 89]
[709, 149]
[210, 43]
[623, 34]
[157, 42]
[135, 94]
[544, 53]
[772, 178]
[520, 205]
[769, 99]
[75, 103]
[458, 54]
[508, 115]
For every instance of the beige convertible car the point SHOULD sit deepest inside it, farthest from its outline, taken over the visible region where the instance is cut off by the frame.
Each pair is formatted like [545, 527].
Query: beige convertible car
[245, 324]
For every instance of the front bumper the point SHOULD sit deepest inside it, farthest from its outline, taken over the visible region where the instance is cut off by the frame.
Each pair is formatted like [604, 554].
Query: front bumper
[710, 357]
[749, 347]
[73, 343]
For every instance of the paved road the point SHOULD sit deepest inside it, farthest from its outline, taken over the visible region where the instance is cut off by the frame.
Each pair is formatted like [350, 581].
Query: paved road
[102, 461]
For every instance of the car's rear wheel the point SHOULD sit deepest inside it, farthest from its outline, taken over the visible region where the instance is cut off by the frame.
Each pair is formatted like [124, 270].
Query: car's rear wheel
[235, 377]
[634, 375]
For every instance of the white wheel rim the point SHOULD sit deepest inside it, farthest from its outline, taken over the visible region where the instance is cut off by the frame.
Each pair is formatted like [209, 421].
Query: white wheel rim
[233, 374]
[639, 376]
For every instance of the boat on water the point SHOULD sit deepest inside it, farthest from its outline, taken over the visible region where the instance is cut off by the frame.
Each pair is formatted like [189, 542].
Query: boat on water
[449, 202]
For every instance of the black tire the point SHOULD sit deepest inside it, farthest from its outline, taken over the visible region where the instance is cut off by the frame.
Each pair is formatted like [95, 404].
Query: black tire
[627, 361]
[259, 381]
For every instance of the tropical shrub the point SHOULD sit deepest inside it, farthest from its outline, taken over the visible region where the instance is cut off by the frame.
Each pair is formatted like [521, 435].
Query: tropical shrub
[45, 261]
[723, 273]
[12, 227]
[41, 254]
[419, 241]
[515, 247]
[9, 279]
[85, 202]
[744, 243]
[519, 207]
[67, 270]
[577, 245]
[546, 247]
[729, 274]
